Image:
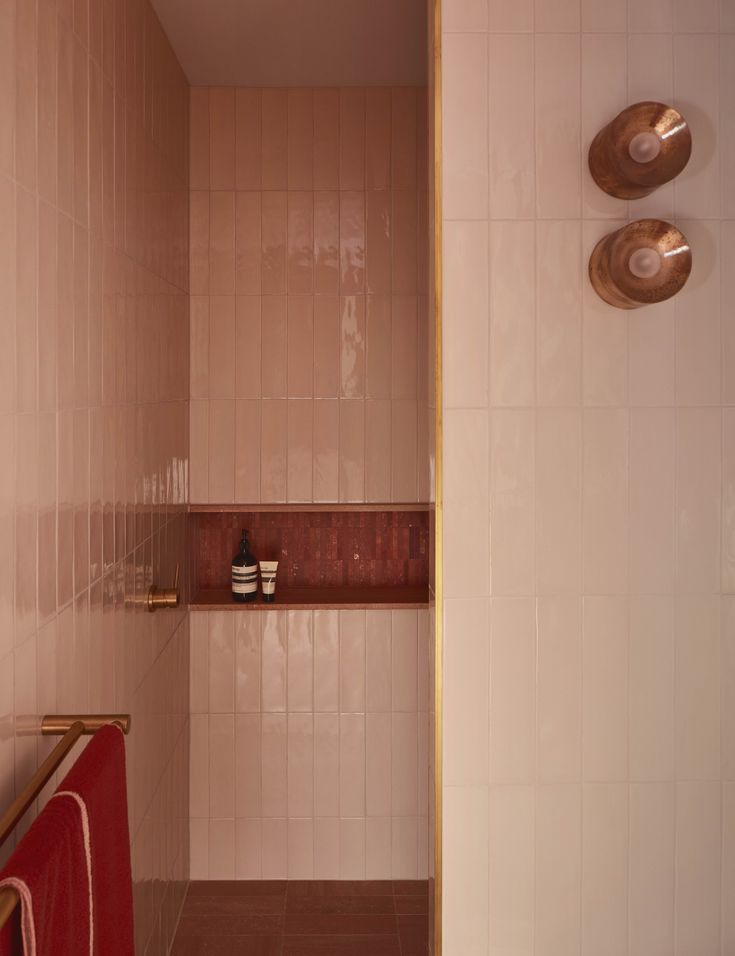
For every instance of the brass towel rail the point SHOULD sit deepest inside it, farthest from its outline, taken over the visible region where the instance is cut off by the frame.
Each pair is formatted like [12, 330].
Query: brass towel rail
[72, 727]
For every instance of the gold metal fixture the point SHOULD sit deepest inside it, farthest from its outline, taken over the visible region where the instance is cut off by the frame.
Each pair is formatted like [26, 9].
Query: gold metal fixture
[72, 726]
[645, 146]
[645, 262]
[56, 724]
[163, 597]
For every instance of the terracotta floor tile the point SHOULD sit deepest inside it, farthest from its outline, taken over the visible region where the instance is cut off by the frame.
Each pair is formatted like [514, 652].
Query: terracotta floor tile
[340, 888]
[231, 905]
[411, 905]
[325, 924]
[411, 887]
[227, 946]
[344, 905]
[413, 925]
[414, 946]
[229, 924]
[237, 888]
[341, 946]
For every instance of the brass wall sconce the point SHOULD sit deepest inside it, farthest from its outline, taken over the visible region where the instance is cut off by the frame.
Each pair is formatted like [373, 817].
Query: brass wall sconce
[645, 262]
[645, 146]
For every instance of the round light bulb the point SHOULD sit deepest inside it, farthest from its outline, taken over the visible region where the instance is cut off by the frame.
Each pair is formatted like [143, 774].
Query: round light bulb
[645, 263]
[644, 147]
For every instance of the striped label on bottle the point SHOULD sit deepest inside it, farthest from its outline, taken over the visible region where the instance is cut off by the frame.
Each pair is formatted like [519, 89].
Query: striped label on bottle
[244, 579]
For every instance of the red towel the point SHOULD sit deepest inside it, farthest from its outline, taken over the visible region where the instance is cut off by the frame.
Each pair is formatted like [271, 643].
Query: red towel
[75, 861]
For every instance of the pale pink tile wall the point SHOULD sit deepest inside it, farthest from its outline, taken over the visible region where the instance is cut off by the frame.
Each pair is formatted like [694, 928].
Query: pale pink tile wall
[93, 406]
[588, 460]
[309, 295]
[309, 744]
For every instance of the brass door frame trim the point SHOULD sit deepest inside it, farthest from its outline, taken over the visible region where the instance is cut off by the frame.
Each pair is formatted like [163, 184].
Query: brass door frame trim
[438, 448]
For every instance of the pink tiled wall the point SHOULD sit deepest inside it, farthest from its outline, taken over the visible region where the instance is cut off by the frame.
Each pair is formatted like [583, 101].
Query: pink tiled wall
[309, 744]
[309, 295]
[93, 406]
[589, 798]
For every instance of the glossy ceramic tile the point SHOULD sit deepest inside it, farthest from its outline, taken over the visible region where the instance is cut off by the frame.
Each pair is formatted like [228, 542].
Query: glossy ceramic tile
[98, 452]
[310, 724]
[305, 209]
[587, 461]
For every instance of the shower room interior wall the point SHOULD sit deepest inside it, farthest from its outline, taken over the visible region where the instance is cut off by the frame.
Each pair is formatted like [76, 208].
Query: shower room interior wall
[309, 337]
[93, 408]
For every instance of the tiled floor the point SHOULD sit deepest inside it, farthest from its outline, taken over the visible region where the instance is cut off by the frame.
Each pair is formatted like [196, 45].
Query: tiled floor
[314, 918]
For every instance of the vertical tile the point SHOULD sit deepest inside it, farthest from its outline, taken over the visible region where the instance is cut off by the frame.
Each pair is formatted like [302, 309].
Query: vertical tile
[558, 501]
[327, 340]
[222, 138]
[222, 346]
[512, 481]
[221, 662]
[378, 240]
[248, 664]
[274, 139]
[274, 765]
[512, 314]
[558, 325]
[605, 868]
[300, 139]
[605, 501]
[605, 689]
[403, 138]
[326, 242]
[698, 715]
[352, 242]
[247, 138]
[351, 450]
[512, 691]
[559, 693]
[274, 346]
[651, 869]
[300, 454]
[352, 661]
[651, 671]
[351, 138]
[326, 450]
[300, 242]
[247, 450]
[512, 156]
[352, 765]
[651, 500]
[696, 83]
[326, 139]
[247, 766]
[465, 351]
[467, 693]
[557, 90]
[222, 243]
[300, 766]
[512, 860]
[377, 137]
[221, 450]
[698, 476]
[378, 765]
[465, 98]
[698, 874]
[300, 337]
[466, 495]
[300, 662]
[697, 312]
[558, 869]
[274, 242]
[221, 766]
[326, 765]
[248, 242]
[273, 651]
[465, 868]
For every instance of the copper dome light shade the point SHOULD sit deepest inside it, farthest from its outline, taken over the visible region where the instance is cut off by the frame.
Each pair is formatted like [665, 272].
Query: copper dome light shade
[645, 146]
[640, 264]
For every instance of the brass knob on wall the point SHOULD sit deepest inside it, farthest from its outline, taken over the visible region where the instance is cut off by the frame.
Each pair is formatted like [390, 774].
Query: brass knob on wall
[645, 146]
[645, 262]
[163, 597]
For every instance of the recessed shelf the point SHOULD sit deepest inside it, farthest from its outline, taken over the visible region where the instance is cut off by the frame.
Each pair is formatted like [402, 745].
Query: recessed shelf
[309, 599]
[306, 508]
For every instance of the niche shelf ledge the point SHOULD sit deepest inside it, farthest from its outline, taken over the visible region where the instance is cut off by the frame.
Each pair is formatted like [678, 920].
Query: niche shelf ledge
[312, 598]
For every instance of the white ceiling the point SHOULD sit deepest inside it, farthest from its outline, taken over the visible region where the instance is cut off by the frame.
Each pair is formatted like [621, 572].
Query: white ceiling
[298, 42]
